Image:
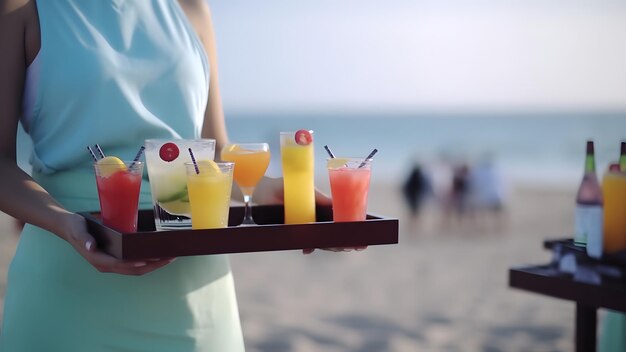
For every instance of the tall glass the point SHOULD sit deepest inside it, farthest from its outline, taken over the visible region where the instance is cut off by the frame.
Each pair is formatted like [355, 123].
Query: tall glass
[118, 191]
[298, 176]
[166, 169]
[614, 194]
[209, 185]
[251, 161]
[349, 186]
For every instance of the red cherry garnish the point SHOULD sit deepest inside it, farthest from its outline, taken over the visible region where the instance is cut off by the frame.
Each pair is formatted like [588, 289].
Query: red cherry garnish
[169, 152]
[304, 137]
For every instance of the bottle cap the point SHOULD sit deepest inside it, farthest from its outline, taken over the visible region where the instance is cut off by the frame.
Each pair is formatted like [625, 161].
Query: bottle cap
[589, 147]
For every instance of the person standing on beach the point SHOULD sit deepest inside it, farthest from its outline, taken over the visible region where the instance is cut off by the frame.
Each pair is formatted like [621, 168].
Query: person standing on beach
[414, 189]
[488, 193]
[115, 72]
[457, 203]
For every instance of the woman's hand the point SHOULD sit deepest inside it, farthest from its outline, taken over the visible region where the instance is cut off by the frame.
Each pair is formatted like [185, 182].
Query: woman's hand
[269, 191]
[75, 232]
[322, 199]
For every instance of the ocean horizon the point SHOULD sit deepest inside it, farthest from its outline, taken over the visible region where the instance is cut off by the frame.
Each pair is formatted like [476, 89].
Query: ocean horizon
[530, 148]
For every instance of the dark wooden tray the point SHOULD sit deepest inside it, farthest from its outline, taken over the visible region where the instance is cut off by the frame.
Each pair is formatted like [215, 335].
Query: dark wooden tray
[270, 235]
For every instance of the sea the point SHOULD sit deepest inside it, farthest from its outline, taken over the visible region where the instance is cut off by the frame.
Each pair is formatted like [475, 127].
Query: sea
[545, 149]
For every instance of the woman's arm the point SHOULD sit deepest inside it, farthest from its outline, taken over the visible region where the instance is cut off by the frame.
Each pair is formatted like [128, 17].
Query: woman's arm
[20, 196]
[199, 15]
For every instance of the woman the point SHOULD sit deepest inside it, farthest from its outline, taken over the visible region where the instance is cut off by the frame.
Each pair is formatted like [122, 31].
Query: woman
[114, 73]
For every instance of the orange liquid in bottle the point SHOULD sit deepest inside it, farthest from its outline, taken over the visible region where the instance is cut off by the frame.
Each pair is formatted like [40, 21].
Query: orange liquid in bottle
[614, 194]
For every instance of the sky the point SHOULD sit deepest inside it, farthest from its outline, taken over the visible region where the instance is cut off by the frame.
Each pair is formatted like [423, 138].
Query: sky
[480, 55]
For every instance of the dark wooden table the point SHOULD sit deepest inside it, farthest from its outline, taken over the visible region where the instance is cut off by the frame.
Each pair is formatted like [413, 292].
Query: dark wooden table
[549, 280]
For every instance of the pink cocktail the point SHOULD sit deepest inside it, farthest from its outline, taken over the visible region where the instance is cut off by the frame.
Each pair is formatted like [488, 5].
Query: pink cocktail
[349, 185]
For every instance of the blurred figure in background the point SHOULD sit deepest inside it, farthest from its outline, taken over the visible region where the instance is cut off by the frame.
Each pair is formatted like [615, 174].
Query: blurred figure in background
[415, 189]
[487, 192]
[440, 175]
[457, 205]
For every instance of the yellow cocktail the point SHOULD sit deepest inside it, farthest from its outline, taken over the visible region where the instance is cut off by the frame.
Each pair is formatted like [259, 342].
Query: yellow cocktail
[209, 185]
[251, 161]
[298, 168]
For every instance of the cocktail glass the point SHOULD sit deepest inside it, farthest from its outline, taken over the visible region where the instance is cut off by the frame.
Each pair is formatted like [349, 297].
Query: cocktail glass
[349, 187]
[251, 161]
[298, 178]
[209, 185]
[166, 169]
[118, 191]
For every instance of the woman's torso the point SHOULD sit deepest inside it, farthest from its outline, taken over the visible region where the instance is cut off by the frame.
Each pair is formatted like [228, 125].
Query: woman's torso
[112, 73]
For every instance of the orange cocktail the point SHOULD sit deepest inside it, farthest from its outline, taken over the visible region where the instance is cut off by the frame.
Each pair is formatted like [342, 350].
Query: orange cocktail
[251, 161]
[349, 186]
[614, 195]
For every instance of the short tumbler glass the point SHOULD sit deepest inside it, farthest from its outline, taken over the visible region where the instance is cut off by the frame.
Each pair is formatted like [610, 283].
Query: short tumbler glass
[349, 186]
[209, 187]
[165, 159]
[118, 191]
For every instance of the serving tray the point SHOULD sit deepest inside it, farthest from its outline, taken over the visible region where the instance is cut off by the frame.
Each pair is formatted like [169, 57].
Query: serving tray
[270, 235]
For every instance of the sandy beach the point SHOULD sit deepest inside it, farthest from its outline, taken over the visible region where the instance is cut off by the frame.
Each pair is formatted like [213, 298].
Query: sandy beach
[442, 288]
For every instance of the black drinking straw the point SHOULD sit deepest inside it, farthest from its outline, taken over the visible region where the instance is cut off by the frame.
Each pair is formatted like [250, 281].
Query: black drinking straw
[369, 157]
[137, 157]
[193, 159]
[92, 154]
[332, 156]
[99, 151]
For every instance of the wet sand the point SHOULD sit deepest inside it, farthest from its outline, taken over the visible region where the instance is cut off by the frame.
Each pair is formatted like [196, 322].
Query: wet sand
[444, 287]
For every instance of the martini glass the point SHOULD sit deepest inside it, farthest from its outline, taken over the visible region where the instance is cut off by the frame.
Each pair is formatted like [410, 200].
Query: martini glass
[251, 161]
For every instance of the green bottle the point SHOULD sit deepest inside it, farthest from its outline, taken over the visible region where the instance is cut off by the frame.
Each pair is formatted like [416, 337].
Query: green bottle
[589, 216]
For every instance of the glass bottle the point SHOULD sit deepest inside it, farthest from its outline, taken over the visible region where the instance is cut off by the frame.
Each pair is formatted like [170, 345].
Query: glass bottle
[589, 217]
[614, 198]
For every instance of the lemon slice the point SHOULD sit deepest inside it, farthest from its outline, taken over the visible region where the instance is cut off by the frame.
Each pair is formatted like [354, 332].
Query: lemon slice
[110, 165]
[337, 163]
[209, 166]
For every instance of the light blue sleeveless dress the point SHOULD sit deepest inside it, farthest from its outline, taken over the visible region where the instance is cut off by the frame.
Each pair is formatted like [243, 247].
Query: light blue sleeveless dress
[112, 72]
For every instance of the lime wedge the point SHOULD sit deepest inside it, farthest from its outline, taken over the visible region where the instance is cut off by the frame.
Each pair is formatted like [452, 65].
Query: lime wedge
[168, 186]
[166, 195]
[177, 207]
[110, 165]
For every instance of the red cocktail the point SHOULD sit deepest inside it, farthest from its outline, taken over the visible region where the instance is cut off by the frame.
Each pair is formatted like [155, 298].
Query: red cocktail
[118, 190]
